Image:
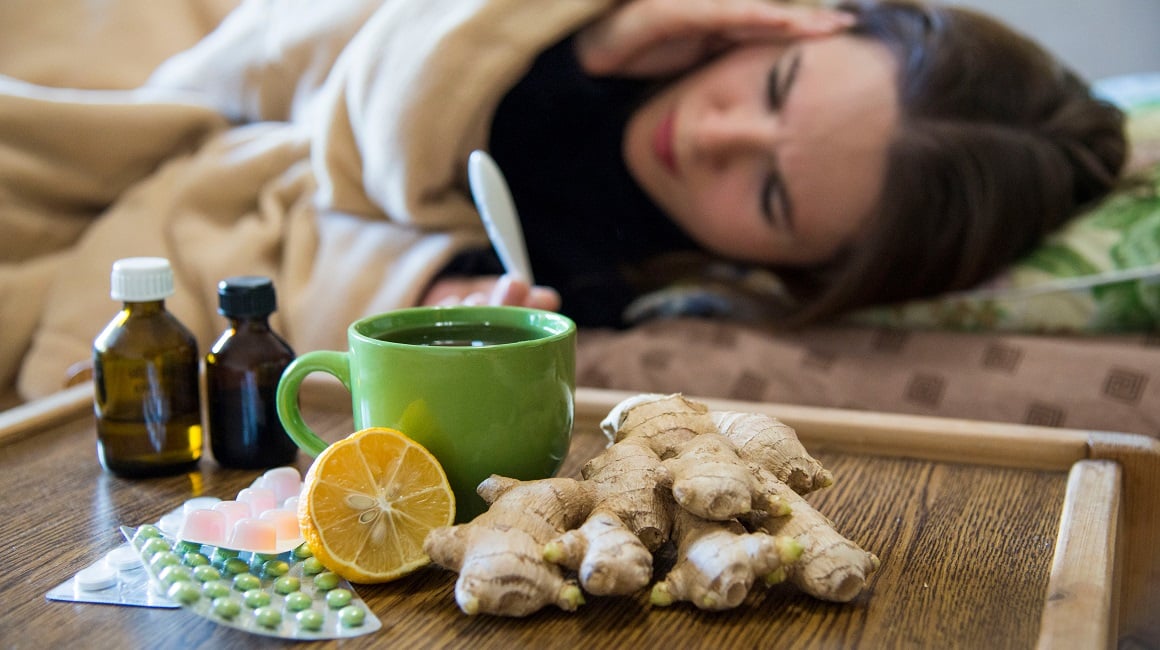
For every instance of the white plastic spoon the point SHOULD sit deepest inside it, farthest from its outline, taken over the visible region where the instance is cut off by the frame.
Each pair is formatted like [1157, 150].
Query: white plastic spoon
[495, 204]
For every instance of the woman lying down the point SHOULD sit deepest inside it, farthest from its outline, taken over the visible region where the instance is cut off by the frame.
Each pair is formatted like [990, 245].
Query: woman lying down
[862, 155]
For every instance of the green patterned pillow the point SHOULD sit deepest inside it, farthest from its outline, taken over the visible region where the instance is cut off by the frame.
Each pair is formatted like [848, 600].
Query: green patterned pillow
[1100, 274]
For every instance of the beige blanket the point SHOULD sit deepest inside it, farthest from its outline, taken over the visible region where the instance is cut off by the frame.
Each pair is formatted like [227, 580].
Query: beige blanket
[321, 143]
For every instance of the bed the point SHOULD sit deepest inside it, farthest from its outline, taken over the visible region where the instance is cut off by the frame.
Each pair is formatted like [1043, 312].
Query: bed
[1077, 368]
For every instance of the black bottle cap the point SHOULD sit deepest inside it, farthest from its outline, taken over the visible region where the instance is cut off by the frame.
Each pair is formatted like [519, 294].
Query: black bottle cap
[246, 295]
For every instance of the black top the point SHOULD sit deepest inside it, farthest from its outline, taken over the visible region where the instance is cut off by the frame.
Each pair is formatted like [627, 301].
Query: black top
[246, 296]
[557, 137]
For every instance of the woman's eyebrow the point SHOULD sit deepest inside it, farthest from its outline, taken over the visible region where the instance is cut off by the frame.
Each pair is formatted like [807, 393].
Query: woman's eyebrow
[782, 76]
[795, 61]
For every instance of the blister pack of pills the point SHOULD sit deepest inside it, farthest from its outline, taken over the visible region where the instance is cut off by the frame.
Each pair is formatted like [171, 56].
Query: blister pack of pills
[262, 518]
[118, 578]
[240, 563]
[288, 595]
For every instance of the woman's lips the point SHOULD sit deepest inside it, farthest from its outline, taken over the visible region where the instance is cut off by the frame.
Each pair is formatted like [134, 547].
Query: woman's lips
[663, 143]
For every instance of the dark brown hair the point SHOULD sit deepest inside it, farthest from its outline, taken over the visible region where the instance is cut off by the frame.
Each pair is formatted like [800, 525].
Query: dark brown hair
[998, 145]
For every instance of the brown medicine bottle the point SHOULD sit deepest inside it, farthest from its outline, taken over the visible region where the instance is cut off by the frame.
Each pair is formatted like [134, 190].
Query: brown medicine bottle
[242, 371]
[145, 376]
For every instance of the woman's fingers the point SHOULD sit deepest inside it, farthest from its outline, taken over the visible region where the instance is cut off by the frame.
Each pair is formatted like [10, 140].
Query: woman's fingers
[545, 298]
[658, 37]
[510, 290]
[492, 290]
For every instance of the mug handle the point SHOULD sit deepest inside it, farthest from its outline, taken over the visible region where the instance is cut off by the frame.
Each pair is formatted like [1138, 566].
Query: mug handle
[328, 361]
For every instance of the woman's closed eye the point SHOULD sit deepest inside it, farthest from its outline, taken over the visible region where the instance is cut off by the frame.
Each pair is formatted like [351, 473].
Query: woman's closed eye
[775, 204]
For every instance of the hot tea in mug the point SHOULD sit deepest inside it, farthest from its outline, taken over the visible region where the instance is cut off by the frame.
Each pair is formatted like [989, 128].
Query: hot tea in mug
[486, 389]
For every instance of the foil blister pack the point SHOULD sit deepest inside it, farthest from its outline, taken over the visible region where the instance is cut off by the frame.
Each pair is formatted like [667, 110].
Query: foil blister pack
[288, 595]
[240, 563]
[118, 578]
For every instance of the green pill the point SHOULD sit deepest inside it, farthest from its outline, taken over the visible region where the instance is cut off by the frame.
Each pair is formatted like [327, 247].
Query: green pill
[205, 573]
[215, 589]
[152, 546]
[185, 548]
[258, 560]
[268, 617]
[351, 616]
[298, 601]
[226, 607]
[310, 619]
[144, 534]
[275, 568]
[194, 559]
[326, 581]
[222, 555]
[183, 592]
[255, 598]
[287, 585]
[302, 552]
[175, 573]
[311, 566]
[338, 598]
[234, 566]
[164, 559]
[246, 582]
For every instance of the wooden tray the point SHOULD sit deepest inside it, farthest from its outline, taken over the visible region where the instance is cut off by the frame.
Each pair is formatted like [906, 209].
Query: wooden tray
[990, 535]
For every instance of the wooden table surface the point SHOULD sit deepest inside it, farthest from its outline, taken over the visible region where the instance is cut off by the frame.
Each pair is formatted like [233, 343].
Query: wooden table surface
[966, 555]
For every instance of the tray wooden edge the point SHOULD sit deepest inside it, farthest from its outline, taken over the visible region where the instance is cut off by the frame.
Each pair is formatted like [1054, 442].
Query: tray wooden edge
[892, 434]
[37, 415]
[1081, 606]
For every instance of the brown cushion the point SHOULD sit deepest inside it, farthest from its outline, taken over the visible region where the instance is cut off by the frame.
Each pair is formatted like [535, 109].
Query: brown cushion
[1098, 383]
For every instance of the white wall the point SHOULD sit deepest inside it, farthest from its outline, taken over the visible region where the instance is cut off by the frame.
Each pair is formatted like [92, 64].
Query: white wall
[1098, 38]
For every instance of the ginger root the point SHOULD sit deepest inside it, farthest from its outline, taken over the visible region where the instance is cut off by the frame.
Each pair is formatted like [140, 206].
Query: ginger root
[831, 567]
[719, 562]
[723, 488]
[499, 555]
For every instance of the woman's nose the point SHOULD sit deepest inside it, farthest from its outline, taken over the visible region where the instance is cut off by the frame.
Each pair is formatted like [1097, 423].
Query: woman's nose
[724, 134]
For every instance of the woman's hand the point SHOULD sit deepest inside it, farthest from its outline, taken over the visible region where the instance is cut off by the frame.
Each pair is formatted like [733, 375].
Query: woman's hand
[652, 38]
[491, 290]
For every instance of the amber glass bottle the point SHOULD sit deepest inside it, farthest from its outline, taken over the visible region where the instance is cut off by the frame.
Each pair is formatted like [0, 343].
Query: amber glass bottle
[145, 375]
[242, 371]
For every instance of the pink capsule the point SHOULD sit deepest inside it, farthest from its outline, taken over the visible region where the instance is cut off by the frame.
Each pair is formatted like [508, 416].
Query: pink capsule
[286, 482]
[204, 526]
[290, 504]
[198, 503]
[233, 511]
[254, 535]
[285, 522]
[259, 498]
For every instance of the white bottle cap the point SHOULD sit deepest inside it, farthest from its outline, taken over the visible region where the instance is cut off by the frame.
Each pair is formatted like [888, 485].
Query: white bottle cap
[138, 279]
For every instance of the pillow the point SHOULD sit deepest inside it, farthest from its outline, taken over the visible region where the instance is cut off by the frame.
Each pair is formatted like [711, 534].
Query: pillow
[1101, 273]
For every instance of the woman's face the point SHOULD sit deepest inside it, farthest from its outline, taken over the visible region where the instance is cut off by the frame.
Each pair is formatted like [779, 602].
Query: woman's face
[772, 153]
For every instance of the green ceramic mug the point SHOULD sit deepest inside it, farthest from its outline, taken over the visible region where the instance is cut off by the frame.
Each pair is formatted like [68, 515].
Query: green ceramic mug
[486, 389]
